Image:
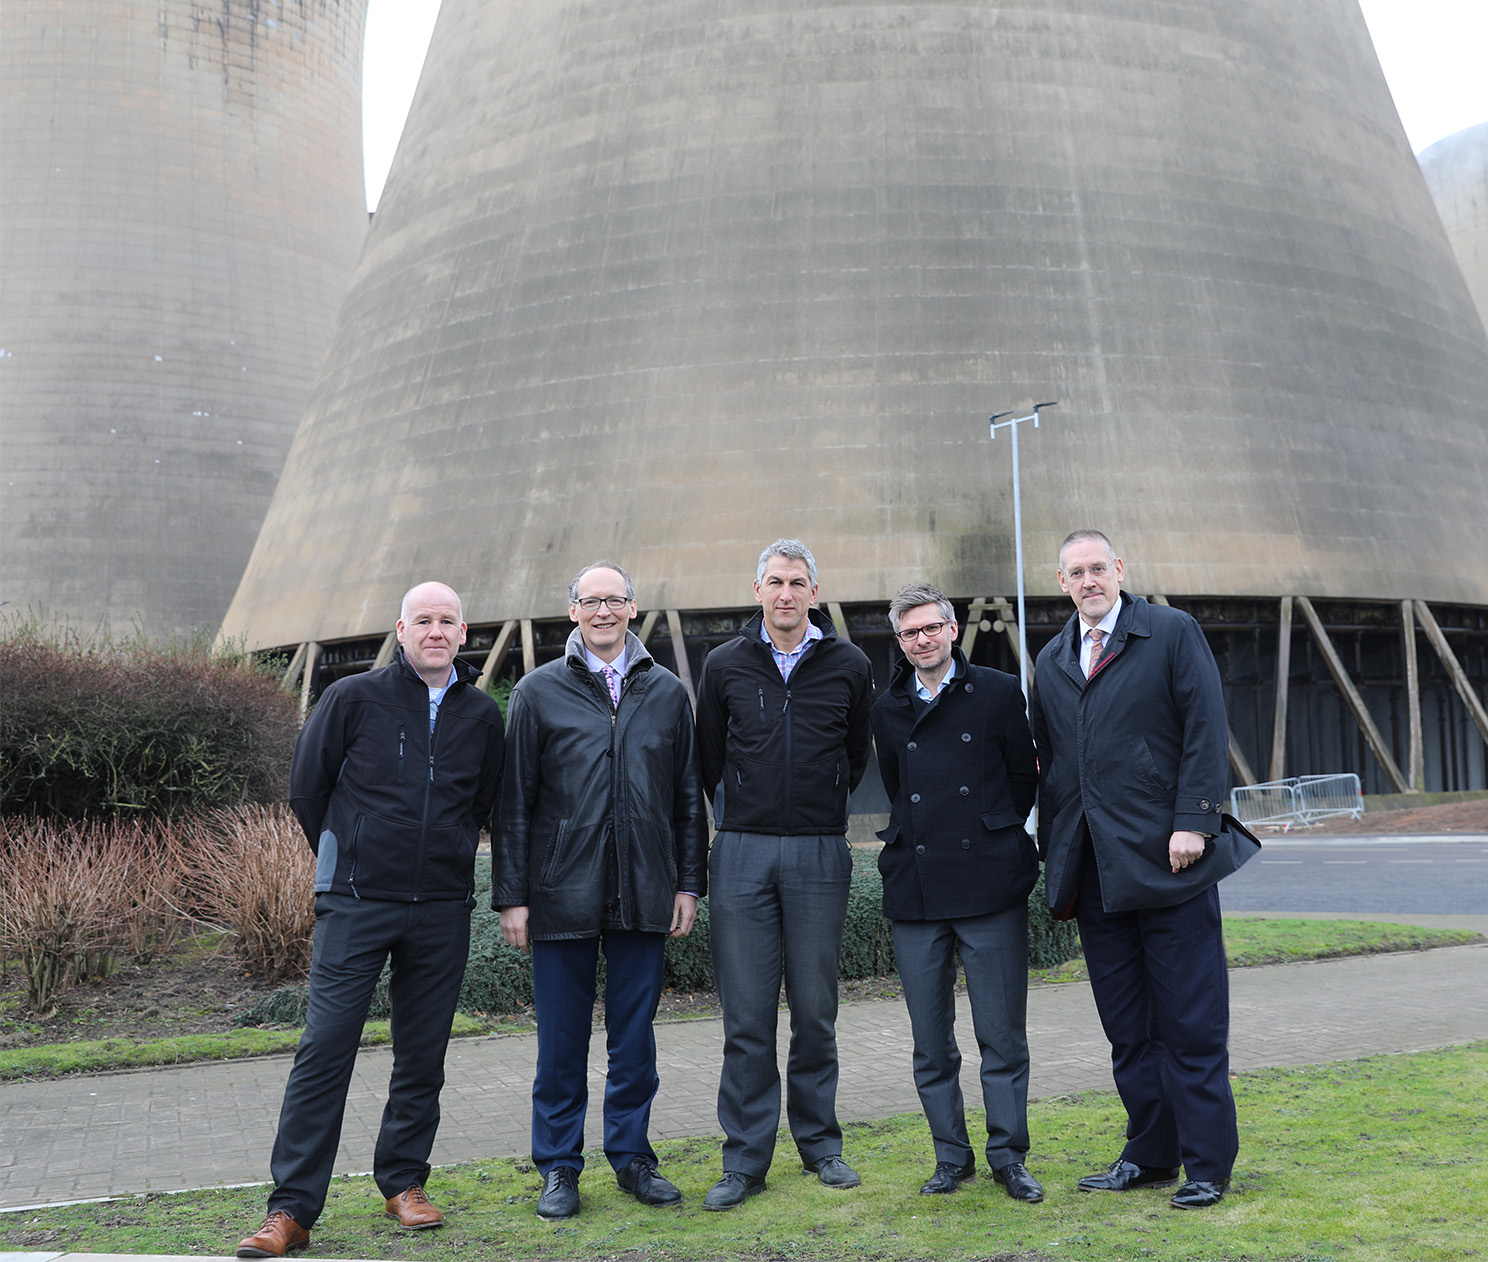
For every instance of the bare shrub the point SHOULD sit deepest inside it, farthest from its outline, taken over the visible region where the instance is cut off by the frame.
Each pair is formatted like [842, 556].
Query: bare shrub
[253, 874]
[66, 891]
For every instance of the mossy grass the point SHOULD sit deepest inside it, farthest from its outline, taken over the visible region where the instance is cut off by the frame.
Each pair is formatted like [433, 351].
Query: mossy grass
[1374, 1160]
[99, 1055]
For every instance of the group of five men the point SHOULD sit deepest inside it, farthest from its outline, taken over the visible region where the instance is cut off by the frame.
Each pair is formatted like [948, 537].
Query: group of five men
[600, 843]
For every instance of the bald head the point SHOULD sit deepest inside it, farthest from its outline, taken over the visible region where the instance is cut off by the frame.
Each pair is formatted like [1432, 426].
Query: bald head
[431, 629]
[427, 591]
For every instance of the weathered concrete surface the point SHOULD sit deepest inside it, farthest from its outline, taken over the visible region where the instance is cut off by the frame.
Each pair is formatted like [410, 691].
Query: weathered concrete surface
[181, 208]
[663, 280]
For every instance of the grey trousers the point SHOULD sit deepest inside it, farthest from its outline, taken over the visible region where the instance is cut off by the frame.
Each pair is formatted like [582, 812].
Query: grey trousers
[994, 953]
[776, 907]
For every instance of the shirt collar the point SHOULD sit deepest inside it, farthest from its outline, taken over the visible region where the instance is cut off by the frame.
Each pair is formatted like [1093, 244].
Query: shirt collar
[924, 692]
[598, 664]
[1105, 626]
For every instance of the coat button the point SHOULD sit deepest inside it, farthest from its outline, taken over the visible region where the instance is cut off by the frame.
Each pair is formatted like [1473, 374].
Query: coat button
[912, 746]
[966, 736]
[914, 797]
[1203, 804]
[919, 850]
[965, 792]
[970, 687]
[965, 844]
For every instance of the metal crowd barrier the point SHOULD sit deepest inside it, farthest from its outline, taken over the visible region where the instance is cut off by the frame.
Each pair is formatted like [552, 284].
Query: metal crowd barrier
[1298, 801]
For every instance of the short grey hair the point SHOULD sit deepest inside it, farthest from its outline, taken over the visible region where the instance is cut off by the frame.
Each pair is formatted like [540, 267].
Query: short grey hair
[1085, 536]
[573, 587]
[912, 596]
[403, 608]
[792, 550]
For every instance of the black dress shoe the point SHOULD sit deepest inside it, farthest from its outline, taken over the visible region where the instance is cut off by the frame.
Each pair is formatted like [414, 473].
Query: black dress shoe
[1021, 1185]
[733, 1190]
[560, 1194]
[832, 1171]
[1198, 1194]
[641, 1180]
[948, 1177]
[1125, 1175]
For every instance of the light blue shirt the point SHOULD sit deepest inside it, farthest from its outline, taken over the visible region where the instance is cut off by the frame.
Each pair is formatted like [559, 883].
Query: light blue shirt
[924, 692]
[788, 662]
[436, 695]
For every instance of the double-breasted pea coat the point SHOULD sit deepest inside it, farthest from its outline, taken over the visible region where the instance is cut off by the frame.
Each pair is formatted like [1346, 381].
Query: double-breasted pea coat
[961, 777]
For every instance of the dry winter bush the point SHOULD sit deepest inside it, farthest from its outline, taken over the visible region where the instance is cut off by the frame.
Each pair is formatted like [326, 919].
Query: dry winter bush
[253, 875]
[71, 895]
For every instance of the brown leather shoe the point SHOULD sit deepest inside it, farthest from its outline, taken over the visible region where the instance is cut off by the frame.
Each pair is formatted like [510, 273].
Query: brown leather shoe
[279, 1235]
[412, 1210]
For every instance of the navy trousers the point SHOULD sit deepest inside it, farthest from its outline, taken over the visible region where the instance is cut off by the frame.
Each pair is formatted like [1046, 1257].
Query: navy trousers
[776, 907]
[563, 982]
[427, 944]
[994, 953]
[1162, 989]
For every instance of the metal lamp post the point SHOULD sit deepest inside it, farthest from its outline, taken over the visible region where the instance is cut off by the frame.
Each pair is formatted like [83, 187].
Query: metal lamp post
[998, 423]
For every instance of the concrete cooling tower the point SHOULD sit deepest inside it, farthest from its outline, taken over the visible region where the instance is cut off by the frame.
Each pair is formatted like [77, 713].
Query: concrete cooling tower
[664, 279]
[182, 207]
[1456, 171]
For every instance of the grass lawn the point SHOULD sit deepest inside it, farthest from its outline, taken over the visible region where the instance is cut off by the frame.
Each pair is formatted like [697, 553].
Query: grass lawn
[1248, 941]
[1375, 1160]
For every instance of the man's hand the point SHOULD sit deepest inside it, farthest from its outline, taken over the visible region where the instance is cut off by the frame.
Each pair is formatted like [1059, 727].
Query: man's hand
[1183, 849]
[514, 927]
[684, 913]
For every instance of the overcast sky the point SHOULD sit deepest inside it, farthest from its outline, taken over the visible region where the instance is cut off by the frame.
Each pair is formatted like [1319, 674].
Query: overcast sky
[1433, 53]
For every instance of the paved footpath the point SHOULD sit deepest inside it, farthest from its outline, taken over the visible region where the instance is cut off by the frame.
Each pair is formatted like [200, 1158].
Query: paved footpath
[210, 1124]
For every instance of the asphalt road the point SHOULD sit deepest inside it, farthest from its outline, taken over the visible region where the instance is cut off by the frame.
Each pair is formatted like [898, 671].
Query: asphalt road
[1446, 876]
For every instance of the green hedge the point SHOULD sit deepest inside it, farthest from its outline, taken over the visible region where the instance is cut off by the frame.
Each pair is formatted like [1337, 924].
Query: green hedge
[98, 728]
[498, 978]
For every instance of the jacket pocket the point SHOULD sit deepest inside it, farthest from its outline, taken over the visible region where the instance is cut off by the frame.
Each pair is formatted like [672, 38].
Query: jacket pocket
[553, 862]
[889, 835]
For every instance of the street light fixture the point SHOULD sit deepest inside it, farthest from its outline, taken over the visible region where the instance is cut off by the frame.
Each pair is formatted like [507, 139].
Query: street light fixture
[998, 423]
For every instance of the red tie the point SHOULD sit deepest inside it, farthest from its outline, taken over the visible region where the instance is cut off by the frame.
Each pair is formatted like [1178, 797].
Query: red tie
[1096, 638]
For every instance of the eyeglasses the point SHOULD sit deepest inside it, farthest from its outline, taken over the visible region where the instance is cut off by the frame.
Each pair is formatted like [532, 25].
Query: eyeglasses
[910, 634]
[590, 603]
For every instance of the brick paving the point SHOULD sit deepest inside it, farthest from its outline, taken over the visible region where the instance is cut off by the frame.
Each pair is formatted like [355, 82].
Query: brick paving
[212, 1124]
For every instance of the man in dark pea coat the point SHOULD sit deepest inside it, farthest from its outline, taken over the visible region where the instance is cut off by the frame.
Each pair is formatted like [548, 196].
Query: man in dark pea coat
[1128, 715]
[958, 764]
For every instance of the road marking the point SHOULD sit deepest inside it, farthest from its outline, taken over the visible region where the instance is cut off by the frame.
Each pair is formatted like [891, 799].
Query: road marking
[1298, 862]
[1410, 860]
[1345, 860]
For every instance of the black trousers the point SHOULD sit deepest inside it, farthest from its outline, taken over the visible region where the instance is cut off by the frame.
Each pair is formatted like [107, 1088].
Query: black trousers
[1162, 989]
[427, 944]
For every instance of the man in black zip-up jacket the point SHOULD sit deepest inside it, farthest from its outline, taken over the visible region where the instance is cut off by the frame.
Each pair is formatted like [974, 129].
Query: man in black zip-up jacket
[784, 735]
[602, 841]
[394, 775]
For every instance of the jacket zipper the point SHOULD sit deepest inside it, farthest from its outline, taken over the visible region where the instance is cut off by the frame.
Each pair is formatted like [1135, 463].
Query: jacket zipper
[790, 768]
[402, 737]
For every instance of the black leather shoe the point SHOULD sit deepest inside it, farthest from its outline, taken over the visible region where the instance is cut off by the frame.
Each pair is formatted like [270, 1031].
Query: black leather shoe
[733, 1190]
[832, 1171]
[1198, 1194]
[640, 1179]
[948, 1177]
[1021, 1185]
[1125, 1175]
[560, 1194]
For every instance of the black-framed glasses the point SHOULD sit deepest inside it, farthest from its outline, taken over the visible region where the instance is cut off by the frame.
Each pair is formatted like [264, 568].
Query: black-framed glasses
[590, 603]
[910, 634]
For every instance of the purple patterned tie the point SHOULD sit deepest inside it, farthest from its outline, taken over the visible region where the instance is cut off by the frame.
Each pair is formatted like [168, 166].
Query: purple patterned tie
[612, 681]
[1096, 638]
